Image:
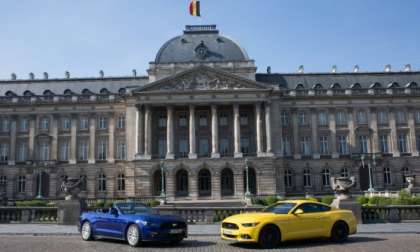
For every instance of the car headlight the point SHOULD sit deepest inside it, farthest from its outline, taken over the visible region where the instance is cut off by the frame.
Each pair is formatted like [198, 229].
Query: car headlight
[252, 224]
[148, 223]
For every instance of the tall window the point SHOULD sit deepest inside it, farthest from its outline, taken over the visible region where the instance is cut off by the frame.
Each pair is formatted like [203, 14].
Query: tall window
[21, 184]
[288, 178]
[162, 147]
[4, 152]
[418, 142]
[383, 117]
[23, 125]
[402, 143]
[102, 122]
[243, 119]
[83, 123]
[361, 117]
[204, 183]
[162, 120]
[307, 178]
[245, 145]
[5, 125]
[45, 123]
[121, 149]
[202, 120]
[121, 122]
[342, 145]
[405, 173]
[285, 118]
[223, 119]
[83, 150]
[363, 144]
[182, 122]
[323, 145]
[102, 148]
[121, 182]
[341, 118]
[417, 116]
[64, 150]
[305, 145]
[344, 172]
[22, 153]
[323, 119]
[203, 147]
[224, 147]
[3, 180]
[401, 117]
[387, 176]
[44, 150]
[66, 123]
[325, 174]
[102, 183]
[183, 148]
[303, 120]
[383, 143]
[287, 147]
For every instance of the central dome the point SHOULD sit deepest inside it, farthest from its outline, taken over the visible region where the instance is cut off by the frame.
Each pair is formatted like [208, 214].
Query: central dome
[200, 43]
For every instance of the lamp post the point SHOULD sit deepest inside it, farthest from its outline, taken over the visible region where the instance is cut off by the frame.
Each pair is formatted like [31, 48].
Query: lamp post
[39, 172]
[371, 189]
[162, 172]
[247, 193]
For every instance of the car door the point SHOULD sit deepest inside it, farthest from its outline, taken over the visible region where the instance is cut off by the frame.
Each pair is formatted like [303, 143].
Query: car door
[115, 223]
[309, 224]
[99, 224]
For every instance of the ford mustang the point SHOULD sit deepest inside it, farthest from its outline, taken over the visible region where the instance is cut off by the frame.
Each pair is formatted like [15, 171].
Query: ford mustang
[290, 220]
[132, 222]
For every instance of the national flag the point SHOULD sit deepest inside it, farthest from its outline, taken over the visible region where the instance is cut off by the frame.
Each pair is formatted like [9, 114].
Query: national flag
[195, 8]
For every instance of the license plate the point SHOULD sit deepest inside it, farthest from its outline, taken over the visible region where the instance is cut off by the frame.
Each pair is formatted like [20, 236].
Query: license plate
[176, 231]
[228, 232]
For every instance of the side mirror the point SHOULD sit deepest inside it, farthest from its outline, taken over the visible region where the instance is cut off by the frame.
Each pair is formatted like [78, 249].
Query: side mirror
[114, 211]
[298, 211]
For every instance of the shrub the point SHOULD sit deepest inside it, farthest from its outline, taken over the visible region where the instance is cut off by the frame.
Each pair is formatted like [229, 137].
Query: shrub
[153, 203]
[99, 204]
[362, 200]
[270, 200]
[374, 200]
[328, 199]
[31, 203]
[312, 199]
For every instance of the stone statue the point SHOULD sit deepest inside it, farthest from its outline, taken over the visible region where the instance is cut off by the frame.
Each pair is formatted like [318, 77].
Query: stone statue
[410, 181]
[341, 186]
[71, 187]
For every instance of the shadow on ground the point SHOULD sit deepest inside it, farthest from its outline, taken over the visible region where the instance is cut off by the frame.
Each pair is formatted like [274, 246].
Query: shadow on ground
[183, 244]
[311, 243]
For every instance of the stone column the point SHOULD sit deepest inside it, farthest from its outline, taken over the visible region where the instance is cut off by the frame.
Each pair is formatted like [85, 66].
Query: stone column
[258, 128]
[73, 140]
[54, 137]
[269, 149]
[236, 132]
[352, 133]
[412, 127]
[333, 134]
[170, 133]
[295, 122]
[192, 138]
[214, 133]
[131, 131]
[373, 121]
[31, 144]
[394, 140]
[147, 133]
[111, 138]
[315, 138]
[140, 130]
[92, 139]
[12, 145]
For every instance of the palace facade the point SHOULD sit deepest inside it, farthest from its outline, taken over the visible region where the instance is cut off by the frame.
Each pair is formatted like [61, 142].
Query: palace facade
[211, 125]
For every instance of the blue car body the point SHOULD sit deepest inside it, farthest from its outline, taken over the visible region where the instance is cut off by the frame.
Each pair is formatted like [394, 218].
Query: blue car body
[113, 223]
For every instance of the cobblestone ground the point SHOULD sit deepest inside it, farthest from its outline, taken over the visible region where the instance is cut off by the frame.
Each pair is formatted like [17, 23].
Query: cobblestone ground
[359, 243]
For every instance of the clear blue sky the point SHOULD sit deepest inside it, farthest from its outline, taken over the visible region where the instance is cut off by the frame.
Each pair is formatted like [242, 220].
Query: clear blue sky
[84, 36]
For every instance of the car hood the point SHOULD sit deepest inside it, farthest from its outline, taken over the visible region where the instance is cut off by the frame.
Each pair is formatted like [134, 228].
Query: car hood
[156, 217]
[249, 217]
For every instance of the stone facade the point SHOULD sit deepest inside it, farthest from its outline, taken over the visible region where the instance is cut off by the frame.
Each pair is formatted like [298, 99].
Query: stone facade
[202, 119]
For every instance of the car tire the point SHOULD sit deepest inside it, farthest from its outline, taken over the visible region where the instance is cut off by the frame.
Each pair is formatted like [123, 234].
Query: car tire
[133, 235]
[269, 237]
[86, 231]
[339, 232]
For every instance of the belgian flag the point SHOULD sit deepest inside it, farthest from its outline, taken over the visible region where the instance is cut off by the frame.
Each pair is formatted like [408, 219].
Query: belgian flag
[195, 8]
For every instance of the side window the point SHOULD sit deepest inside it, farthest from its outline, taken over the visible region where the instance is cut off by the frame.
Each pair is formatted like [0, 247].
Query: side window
[313, 208]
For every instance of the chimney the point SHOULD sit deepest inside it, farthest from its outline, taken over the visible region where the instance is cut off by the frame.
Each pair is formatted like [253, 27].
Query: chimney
[31, 76]
[45, 76]
[13, 76]
[301, 69]
[356, 69]
[67, 74]
[334, 69]
[388, 68]
[269, 69]
[101, 74]
[407, 68]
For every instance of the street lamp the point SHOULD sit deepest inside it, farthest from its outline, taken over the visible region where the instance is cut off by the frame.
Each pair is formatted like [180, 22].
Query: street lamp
[370, 189]
[247, 193]
[39, 172]
[162, 172]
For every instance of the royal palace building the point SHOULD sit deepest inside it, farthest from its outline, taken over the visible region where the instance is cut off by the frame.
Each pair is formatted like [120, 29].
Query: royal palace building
[204, 125]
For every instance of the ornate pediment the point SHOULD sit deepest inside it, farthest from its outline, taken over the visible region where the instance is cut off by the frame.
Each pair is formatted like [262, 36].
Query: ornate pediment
[203, 78]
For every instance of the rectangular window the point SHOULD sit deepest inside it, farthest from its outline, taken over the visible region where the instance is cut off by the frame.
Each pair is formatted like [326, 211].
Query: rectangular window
[64, 150]
[121, 150]
[224, 147]
[83, 123]
[83, 150]
[323, 145]
[121, 122]
[305, 145]
[203, 120]
[22, 154]
[341, 118]
[162, 120]
[183, 120]
[162, 148]
[44, 151]
[363, 144]
[203, 148]
[183, 148]
[4, 152]
[342, 145]
[287, 147]
[401, 117]
[102, 122]
[66, 123]
[223, 119]
[245, 145]
[303, 120]
[102, 148]
[285, 119]
[45, 123]
[402, 143]
[383, 143]
[5, 125]
[383, 118]
[361, 117]
[243, 119]
[417, 117]
[23, 125]
[21, 184]
[323, 119]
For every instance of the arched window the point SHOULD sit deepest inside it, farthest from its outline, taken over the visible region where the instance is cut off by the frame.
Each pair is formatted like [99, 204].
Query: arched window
[307, 178]
[204, 183]
[318, 86]
[102, 183]
[375, 85]
[27, 93]
[121, 182]
[21, 184]
[405, 172]
[300, 86]
[387, 176]
[412, 85]
[86, 92]
[42, 180]
[227, 182]
[288, 178]
[356, 86]
[182, 183]
[325, 174]
[68, 92]
[48, 93]
[10, 94]
[157, 182]
[252, 181]
[122, 91]
[336, 86]
[104, 91]
[344, 172]
[393, 85]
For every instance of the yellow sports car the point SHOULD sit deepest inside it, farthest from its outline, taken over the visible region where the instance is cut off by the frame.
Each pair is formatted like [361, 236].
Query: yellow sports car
[290, 220]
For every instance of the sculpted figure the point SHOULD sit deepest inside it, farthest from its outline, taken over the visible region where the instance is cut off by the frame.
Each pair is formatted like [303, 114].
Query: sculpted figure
[341, 186]
[71, 187]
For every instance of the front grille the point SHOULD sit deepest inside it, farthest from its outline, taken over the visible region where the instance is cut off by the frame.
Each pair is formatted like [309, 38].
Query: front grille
[228, 225]
[230, 236]
[173, 225]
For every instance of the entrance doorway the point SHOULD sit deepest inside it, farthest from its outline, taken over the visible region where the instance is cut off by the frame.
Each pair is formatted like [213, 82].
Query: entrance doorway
[364, 177]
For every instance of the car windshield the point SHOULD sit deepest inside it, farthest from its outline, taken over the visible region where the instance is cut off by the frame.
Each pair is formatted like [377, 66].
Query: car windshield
[280, 208]
[133, 208]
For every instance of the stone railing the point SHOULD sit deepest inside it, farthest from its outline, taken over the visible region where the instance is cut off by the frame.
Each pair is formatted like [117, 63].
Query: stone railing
[28, 214]
[384, 214]
[355, 92]
[205, 214]
[50, 99]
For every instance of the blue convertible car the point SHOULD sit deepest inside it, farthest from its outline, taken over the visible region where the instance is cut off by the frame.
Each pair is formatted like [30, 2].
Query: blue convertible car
[133, 222]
